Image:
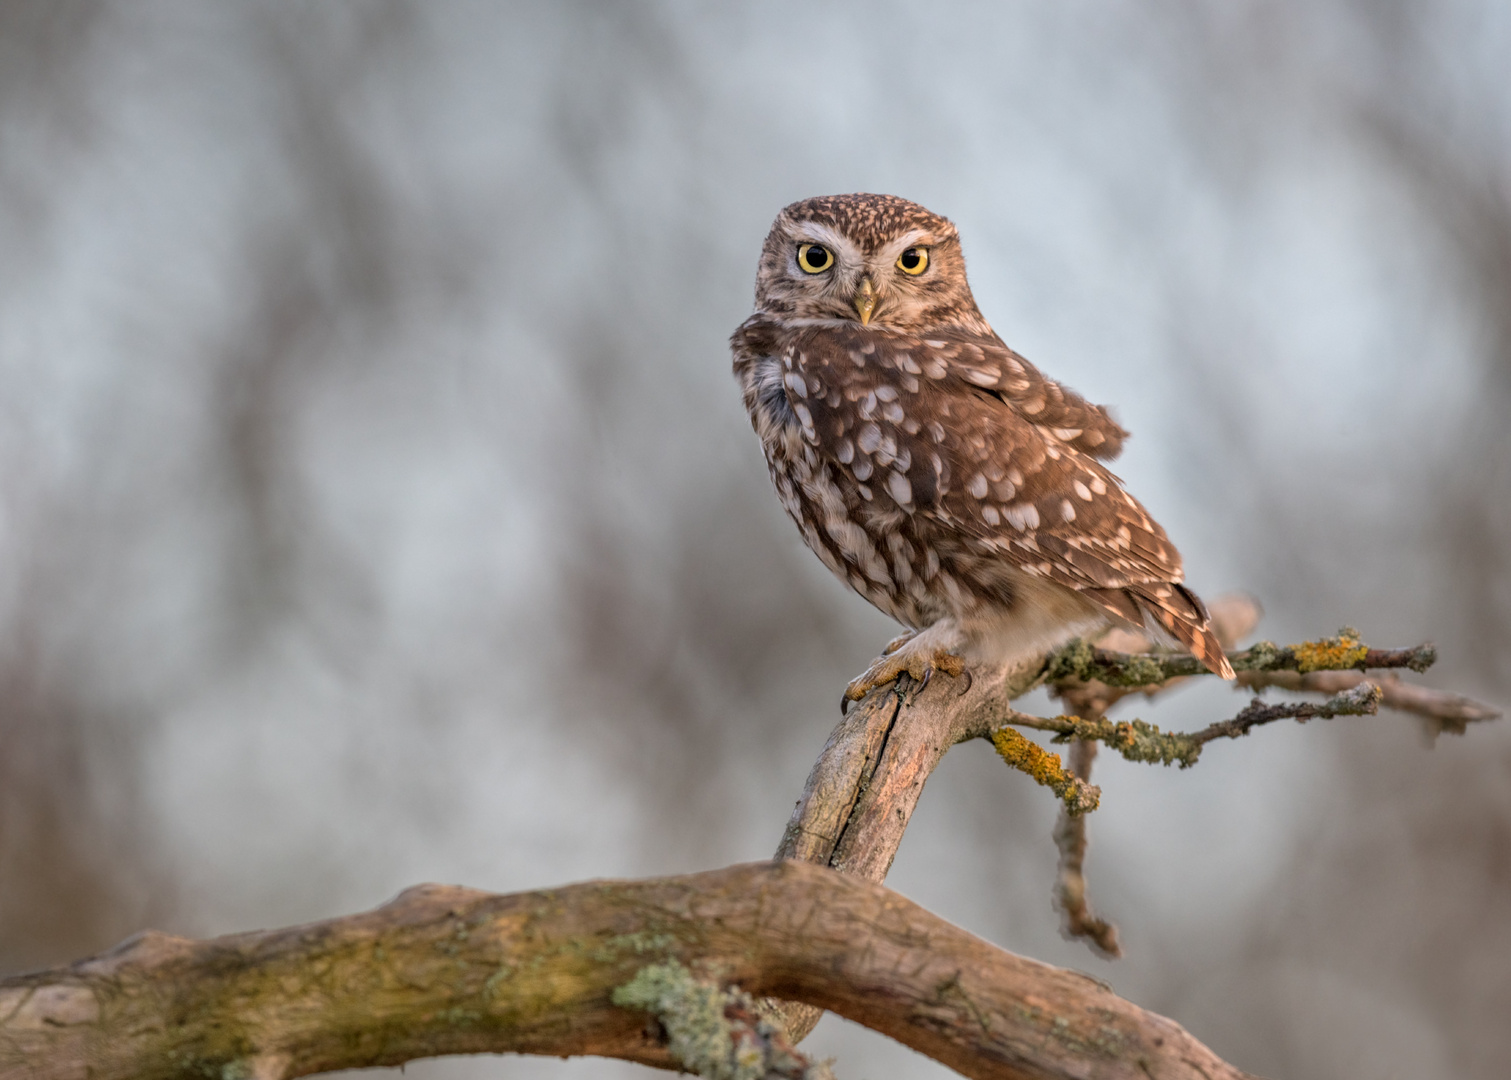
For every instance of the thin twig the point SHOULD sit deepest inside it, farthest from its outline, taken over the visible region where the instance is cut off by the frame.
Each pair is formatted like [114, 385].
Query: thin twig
[1234, 617]
[1033, 760]
[1140, 741]
[1086, 663]
[1070, 898]
[1441, 710]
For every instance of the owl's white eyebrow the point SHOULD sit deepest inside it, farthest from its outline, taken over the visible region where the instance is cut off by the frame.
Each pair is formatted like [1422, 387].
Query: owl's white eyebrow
[811, 232]
[905, 241]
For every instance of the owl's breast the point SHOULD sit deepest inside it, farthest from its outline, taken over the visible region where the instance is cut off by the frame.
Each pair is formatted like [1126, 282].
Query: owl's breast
[851, 467]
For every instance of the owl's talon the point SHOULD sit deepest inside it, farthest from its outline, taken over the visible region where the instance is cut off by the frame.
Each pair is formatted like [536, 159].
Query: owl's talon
[911, 693]
[919, 664]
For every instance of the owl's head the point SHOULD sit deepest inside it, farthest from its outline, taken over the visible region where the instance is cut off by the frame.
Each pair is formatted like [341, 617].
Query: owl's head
[873, 259]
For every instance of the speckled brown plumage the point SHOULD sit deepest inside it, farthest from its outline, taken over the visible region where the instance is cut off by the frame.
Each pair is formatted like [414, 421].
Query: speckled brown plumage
[936, 471]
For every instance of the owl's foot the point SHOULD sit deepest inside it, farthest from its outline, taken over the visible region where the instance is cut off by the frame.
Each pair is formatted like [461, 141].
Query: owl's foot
[908, 655]
[898, 642]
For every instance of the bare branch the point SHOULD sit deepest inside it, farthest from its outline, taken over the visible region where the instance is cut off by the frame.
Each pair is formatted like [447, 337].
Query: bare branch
[1070, 898]
[1442, 710]
[445, 970]
[865, 784]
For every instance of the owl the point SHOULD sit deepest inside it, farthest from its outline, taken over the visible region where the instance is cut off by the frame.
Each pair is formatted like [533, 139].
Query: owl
[934, 470]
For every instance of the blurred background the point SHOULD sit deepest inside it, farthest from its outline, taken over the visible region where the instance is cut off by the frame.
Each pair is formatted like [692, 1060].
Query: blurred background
[376, 505]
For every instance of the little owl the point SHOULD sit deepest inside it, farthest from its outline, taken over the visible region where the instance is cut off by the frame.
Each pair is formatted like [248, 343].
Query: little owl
[932, 468]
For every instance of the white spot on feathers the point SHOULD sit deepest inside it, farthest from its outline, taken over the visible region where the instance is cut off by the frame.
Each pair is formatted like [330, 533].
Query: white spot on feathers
[899, 488]
[805, 418]
[1024, 516]
[983, 376]
[1083, 491]
[977, 486]
[1067, 511]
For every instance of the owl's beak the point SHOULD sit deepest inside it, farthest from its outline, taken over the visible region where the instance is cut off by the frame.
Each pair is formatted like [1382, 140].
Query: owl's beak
[865, 300]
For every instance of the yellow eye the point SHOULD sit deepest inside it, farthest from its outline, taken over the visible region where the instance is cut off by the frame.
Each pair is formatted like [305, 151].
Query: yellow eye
[814, 258]
[913, 261]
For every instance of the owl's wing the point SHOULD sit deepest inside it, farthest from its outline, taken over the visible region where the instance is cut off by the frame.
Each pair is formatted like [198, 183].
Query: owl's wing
[966, 435]
[988, 363]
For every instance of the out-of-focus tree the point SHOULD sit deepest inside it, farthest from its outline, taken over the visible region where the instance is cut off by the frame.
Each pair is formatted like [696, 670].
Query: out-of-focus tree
[358, 360]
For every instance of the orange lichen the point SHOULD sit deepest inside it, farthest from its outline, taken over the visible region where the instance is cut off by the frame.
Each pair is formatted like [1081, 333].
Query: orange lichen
[1331, 654]
[1032, 759]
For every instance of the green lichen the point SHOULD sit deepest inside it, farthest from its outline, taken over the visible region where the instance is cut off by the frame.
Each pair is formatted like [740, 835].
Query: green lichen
[1135, 740]
[1261, 656]
[1080, 662]
[697, 1015]
[692, 1011]
[1073, 661]
[640, 943]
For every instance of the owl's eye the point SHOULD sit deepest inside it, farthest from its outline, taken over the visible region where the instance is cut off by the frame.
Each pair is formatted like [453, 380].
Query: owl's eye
[814, 258]
[913, 261]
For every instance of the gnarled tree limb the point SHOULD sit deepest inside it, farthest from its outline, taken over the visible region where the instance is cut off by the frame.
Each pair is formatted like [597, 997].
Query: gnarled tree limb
[444, 970]
[449, 970]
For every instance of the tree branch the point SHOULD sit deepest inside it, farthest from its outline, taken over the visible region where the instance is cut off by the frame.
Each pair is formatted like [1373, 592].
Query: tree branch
[1140, 741]
[1070, 895]
[1440, 710]
[1082, 662]
[446, 970]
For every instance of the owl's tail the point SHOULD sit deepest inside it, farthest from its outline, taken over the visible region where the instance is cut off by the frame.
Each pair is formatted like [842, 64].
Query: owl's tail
[1169, 610]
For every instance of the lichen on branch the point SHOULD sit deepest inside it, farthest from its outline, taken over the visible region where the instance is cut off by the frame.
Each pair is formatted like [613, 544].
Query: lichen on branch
[713, 1031]
[1083, 662]
[1137, 740]
[1046, 768]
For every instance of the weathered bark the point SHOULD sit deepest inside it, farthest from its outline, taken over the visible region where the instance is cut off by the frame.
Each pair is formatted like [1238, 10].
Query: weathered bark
[450, 970]
[861, 793]
[863, 788]
[446, 970]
